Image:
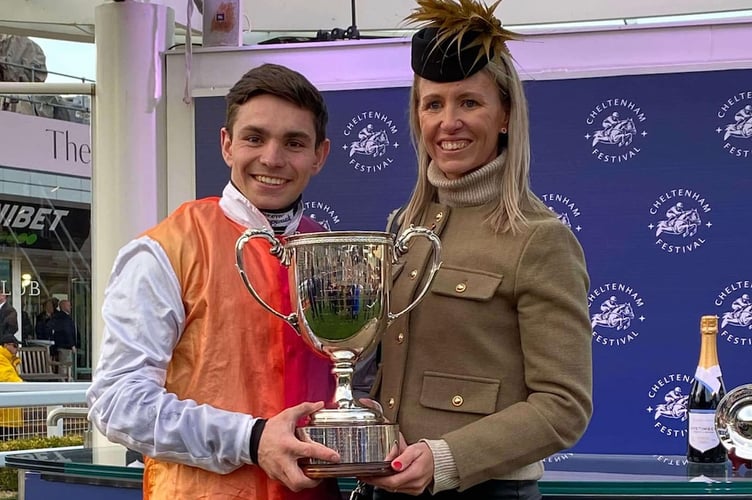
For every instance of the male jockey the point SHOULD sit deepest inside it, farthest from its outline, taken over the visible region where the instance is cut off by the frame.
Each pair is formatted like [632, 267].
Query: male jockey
[194, 374]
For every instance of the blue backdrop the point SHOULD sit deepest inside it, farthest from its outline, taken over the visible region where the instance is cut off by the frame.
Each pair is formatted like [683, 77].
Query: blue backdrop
[653, 173]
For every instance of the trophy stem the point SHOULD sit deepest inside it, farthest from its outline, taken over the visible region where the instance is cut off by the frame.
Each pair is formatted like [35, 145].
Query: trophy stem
[345, 410]
[343, 395]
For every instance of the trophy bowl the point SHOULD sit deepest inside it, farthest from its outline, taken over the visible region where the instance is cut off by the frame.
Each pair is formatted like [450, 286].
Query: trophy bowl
[339, 291]
[733, 421]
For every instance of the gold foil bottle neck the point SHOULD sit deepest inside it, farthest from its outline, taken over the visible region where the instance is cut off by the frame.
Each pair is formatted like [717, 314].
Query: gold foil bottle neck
[708, 336]
[709, 325]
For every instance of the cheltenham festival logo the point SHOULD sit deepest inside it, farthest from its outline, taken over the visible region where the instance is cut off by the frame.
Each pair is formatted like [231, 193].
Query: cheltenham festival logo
[615, 322]
[736, 313]
[669, 398]
[622, 127]
[680, 219]
[564, 208]
[322, 213]
[370, 138]
[736, 124]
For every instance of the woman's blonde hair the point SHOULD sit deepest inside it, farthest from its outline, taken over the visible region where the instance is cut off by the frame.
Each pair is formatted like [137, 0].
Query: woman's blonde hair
[516, 197]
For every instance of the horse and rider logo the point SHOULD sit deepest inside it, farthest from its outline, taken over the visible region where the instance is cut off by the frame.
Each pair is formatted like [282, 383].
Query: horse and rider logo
[370, 138]
[669, 404]
[614, 314]
[616, 131]
[621, 126]
[740, 313]
[737, 135]
[683, 226]
[679, 221]
[616, 320]
[674, 405]
[734, 306]
[742, 126]
[371, 142]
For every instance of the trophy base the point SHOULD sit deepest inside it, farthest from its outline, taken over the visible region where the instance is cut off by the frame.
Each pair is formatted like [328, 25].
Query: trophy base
[322, 471]
[363, 449]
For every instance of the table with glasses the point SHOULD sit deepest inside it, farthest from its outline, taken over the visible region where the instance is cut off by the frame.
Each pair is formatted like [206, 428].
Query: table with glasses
[95, 473]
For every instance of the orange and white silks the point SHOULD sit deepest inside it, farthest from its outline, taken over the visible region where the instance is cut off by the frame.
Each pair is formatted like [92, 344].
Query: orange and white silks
[233, 354]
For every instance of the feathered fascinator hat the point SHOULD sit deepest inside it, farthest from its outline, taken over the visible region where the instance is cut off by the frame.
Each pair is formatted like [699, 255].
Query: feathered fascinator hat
[458, 38]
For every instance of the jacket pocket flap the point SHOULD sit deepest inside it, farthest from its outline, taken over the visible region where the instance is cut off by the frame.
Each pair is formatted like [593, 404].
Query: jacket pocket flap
[465, 283]
[459, 393]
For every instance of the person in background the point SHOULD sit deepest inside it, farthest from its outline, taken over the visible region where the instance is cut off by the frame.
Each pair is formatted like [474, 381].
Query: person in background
[8, 316]
[11, 419]
[492, 371]
[64, 338]
[193, 373]
[64, 329]
[27, 327]
[43, 327]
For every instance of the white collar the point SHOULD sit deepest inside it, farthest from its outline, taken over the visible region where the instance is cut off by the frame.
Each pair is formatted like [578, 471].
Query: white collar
[240, 209]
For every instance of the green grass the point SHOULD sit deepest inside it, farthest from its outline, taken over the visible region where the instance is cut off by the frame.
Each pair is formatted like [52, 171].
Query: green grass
[9, 476]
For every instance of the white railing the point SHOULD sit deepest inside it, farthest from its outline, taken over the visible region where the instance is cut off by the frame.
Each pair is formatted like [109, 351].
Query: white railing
[47, 408]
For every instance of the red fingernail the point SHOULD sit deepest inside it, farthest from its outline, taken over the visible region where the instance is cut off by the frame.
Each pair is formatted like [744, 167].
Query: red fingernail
[397, 465]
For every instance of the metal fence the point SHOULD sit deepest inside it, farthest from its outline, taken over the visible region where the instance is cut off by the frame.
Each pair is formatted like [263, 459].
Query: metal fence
[74, 108]
[46, 409]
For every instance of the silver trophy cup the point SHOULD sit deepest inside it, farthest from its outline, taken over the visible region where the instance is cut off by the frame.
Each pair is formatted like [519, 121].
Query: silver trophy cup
[339, 290]
[733, 425]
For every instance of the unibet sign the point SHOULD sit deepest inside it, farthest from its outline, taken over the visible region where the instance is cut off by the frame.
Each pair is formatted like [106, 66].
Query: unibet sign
[26, 216]
[43, 227]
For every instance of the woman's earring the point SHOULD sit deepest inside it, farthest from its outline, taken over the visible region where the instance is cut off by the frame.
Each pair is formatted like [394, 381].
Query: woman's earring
[503, 130]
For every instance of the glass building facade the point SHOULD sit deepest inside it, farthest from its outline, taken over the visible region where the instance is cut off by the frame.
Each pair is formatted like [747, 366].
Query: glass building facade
[45, 218]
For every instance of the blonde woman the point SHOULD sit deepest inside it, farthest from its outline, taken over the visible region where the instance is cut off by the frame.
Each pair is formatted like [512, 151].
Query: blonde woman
[492, 371]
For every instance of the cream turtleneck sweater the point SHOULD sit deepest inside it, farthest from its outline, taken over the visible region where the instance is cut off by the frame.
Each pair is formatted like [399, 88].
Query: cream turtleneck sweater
[472, 189]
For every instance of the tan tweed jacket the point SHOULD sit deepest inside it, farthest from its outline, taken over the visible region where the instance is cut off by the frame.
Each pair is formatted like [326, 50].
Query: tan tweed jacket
[496, 360]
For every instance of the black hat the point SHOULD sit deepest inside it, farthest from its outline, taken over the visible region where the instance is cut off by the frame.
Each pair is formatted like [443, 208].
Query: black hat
[446, 60]
[9, 339]
[458, 38]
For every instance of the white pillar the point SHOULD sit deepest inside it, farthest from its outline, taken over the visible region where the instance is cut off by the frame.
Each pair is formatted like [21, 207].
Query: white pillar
[128, 176]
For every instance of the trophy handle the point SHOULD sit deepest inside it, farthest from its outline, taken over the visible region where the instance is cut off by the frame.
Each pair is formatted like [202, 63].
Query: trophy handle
[279, 252]
[400, 248]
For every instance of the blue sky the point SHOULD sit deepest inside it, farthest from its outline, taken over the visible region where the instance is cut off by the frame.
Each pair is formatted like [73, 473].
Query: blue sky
[70, 58]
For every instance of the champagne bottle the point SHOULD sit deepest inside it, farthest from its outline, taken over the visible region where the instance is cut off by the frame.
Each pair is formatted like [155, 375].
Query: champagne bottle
[703, 445]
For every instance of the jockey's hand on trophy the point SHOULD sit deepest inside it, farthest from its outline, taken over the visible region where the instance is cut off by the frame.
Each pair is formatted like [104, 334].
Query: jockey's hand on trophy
[280, 449]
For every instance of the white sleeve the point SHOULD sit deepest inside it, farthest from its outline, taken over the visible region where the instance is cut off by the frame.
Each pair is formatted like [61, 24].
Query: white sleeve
[143, 319]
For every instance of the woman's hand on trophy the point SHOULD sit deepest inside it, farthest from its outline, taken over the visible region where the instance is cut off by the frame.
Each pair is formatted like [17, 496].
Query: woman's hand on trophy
[413, 470]
[396, 450]
[279, 448]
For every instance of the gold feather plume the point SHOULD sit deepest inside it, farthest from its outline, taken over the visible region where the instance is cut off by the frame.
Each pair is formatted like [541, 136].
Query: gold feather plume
[455, 19]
